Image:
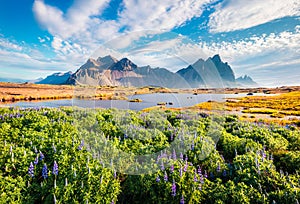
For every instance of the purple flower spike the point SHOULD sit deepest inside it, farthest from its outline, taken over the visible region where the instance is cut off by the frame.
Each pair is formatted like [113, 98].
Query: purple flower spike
[224, 173]
[174, 155]
[173, 189]
[181, 156]
[166, 177]
[157, 179]
[41, 156]
[36, 161]
[182, 200]
[81, 145]
[185, 166]
[55, 168]
[218, 168]
[199, 171]
[45, 171]
[31, 170]
[172, 169]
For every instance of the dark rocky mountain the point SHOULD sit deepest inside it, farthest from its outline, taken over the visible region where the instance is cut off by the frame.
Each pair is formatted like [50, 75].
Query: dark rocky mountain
[109, 71]
[56, 78]
[210, 73]
[246, 81]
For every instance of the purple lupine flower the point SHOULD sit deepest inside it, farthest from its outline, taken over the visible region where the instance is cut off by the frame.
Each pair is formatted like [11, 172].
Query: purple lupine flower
[173, 189]
[182, 200]
[174, 155]
[180, 172]
[41, 156]
[166, 176]
[55, 168]
[224, 173]
[115, 174]
[195, 177]
[193, 146]
[162, 166]
[31, 170]
[81, 145]
[271, 156]
[199, 171]
[157, 179]
[112, 202]
[201, 179]
[172, 169]
[218, 167]
[45, 171]
[205, 174]
[181, 156]
[185, 166]
[36, 161]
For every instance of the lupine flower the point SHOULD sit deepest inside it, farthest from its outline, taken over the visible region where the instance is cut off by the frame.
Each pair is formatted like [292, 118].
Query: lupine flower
[166, 177]
[173, 189]
[55, 168]
[41, 156]
[201, 179]
[195, 177]
[205, 174]
[162, 166]
[185, 166]
[36, 161]
[45, 171]
[218, 168]
[157, 179]
[31, 170]
[174, 155]
[181, 156]
[199, 170]
[224, 173]
[180, 171]
[172, 169]
[182, 200]
[193, 146]
[200, 187]
[81, 145]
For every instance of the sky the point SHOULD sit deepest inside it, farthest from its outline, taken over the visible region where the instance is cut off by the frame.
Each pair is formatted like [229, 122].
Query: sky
[257, 38]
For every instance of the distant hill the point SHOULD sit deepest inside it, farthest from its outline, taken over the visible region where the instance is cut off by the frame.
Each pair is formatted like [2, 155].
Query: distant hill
[246, 81]
[56, 78]
[107, 70]
[12, 80]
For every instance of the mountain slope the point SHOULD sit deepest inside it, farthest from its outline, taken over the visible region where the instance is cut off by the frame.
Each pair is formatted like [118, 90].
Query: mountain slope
[246, 81]
[56, 78]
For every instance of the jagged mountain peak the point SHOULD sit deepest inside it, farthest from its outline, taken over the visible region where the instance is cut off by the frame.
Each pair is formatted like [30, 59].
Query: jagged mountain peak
[124, 65]
[216, 58]
[107, 59]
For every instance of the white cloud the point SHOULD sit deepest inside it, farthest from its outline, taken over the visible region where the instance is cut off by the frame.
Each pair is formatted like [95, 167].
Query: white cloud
[9, 45]
[263, 57]
[233, 15]
[76, 19]
[160, 15]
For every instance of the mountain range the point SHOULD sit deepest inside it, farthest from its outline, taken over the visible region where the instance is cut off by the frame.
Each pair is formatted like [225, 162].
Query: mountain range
[108, 71]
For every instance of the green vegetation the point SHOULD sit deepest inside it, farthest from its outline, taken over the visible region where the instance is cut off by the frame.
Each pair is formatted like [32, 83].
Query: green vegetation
[71, 155]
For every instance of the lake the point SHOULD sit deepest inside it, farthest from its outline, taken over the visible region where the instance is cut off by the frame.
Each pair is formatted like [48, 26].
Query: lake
[175, 100]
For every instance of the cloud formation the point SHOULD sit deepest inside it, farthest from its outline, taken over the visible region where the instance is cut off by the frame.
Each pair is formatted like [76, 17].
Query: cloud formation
[231, 15]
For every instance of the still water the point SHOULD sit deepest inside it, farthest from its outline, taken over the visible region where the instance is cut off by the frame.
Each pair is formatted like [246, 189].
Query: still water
[174, 100]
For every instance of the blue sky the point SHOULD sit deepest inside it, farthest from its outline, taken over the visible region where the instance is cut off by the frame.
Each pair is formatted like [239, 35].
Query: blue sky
[257, 38]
